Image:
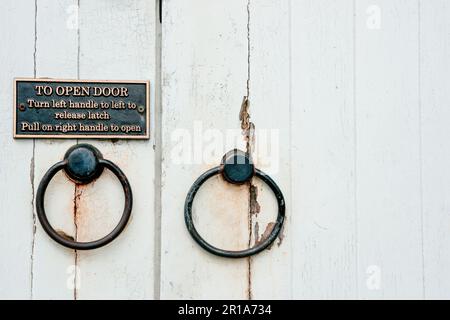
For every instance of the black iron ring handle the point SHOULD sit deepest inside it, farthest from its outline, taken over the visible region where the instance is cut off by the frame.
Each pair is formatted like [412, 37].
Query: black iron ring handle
[83, 163]
[237, 169]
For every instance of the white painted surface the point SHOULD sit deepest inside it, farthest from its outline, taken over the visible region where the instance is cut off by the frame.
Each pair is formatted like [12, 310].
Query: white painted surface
[322, 148]
[388, 150]
[352, 93]
[122, 47]
[270, 110]
[53, 266]
[435, 117]
[95, 40]
[204, 73]
[16, 193]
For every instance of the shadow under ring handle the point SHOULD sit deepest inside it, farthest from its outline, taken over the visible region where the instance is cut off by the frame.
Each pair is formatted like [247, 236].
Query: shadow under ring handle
[233, 174]
[100, 164]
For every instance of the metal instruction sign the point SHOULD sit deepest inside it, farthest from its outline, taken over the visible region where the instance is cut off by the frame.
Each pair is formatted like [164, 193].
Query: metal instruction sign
[49, 108]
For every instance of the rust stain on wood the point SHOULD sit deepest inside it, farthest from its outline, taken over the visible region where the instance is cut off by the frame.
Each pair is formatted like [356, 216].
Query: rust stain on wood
[281, 234]
[76, 208]
[65, 235]
[266, 234]
[248, 127]
[255, 208]
[227, 208]
[256, 231]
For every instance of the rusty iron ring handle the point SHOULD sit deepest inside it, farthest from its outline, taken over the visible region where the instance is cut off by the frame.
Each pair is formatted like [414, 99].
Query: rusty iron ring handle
[233, 174]
[76, 156]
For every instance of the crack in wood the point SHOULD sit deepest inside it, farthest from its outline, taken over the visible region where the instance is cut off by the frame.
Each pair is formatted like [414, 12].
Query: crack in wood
[33, 239]
[32, 166]
[77, 195]
[248, 131]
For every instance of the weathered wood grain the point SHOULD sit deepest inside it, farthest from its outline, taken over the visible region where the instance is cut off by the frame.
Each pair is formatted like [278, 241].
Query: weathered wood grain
[117, 41]
[435, 116]
[204, 77]
[349, 101]
[16, 192]
[107, 42]
[270, 105]
[322, 150]
[388, 152]
[56, 57]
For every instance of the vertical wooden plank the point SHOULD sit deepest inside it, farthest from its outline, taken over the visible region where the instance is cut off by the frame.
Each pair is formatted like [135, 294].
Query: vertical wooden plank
[388, 154]
[97, 206]
[435, 98]
[16, 192]
[322, 150]
[56, 57]
[204, 76]
[117, 41]
[269, 86]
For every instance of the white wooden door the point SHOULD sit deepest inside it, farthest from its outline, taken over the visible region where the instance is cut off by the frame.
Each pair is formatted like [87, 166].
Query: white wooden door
[349, 100]
[76, 40]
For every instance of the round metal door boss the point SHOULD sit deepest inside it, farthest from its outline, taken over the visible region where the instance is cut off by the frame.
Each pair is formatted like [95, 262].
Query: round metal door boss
[236, 168]
[83, 163]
